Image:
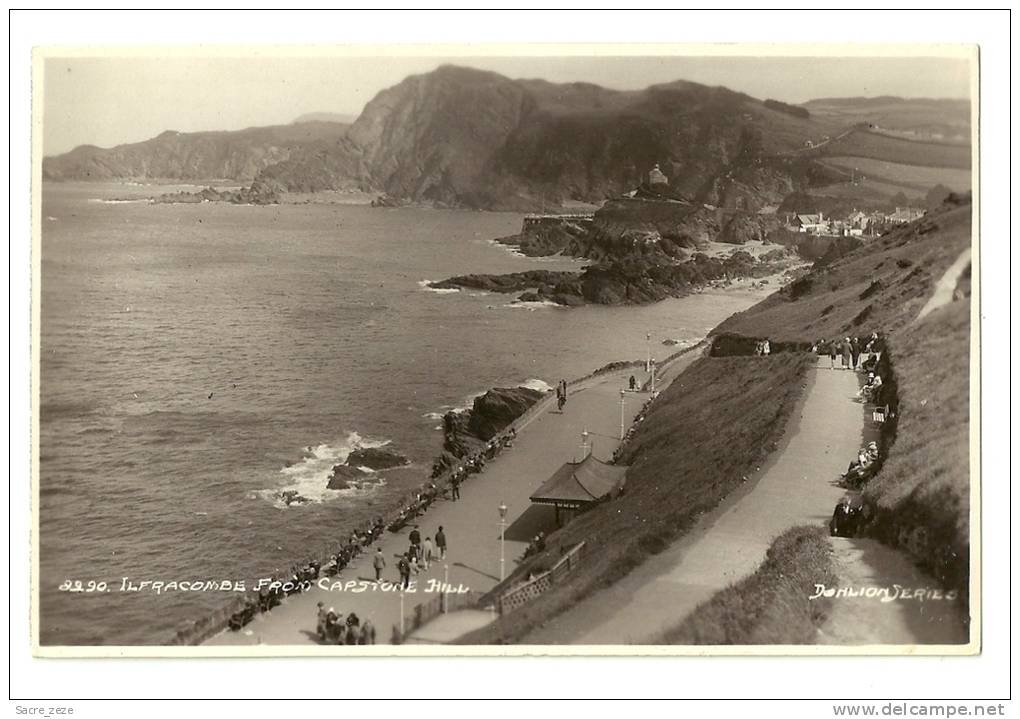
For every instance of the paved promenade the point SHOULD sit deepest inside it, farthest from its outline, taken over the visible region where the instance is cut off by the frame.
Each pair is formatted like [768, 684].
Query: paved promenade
[470, 524]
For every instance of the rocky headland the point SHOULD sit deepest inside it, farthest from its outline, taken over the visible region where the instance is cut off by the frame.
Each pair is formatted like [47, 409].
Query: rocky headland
[467, 431]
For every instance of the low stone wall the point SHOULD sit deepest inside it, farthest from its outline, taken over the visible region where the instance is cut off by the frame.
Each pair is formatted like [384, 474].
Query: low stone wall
[522, 594]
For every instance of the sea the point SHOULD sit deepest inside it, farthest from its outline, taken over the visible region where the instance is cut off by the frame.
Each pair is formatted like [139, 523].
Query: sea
[196, 360]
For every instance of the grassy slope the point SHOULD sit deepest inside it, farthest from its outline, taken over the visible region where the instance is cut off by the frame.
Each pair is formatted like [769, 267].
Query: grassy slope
[771, 606]
[708, 430]
[837, 299]
[902, 151]
[923, 490]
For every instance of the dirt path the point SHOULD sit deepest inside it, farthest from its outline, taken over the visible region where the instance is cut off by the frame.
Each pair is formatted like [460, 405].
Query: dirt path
[798, 487]
[946, 285]
[545, 442]
[923, 617]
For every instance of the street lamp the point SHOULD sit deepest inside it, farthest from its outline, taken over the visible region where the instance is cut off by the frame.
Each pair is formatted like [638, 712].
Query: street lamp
[623, 404]
[584, 444]
[446, 587]
[648, 351]
[502, 542]
[653, 377]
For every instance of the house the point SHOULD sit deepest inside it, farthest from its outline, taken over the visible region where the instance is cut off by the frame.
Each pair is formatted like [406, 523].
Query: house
[904, 215]
[656, 177]
[814, 224]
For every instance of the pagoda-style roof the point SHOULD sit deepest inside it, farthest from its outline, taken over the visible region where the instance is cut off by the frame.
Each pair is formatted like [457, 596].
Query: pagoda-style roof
[579, 483]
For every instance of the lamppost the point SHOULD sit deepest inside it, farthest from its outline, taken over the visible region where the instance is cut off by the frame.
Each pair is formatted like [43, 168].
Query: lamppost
[653, 377]
[446, 586]
[502, 537]
[401, 611]
[584, 444]
[648, 351]
[623, 404]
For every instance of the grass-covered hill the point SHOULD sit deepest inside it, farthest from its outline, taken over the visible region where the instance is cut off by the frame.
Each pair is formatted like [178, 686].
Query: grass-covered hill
[235, 155]
[923, 489]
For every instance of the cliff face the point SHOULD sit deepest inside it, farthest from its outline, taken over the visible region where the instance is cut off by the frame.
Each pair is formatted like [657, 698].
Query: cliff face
[467, 138]
[239, 155]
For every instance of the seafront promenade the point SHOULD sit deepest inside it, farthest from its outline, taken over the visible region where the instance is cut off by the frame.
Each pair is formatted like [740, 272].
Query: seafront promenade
[471, 524]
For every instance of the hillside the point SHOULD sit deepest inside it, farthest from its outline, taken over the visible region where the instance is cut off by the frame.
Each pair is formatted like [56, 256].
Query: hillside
[460, 137]
[943, 120]
[238, 155]
[922, 492]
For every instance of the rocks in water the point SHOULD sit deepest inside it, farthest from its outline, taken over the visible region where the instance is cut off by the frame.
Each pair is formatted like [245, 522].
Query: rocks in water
[376, 459]
[497, 408]
[512, 282]
[351, 473]
[291, 496]
[468, 431]
[260, 193]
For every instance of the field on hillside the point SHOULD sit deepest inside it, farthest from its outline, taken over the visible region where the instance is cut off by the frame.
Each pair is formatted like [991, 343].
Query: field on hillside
[907, 152]
[916, 177]
[712, 427]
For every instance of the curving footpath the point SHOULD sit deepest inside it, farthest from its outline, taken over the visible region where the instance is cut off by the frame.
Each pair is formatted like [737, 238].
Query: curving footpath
[797, 487]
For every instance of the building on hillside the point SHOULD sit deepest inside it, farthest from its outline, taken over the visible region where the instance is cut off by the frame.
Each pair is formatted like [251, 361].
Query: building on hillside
[903, 215]
[656, 177]
[814, 224]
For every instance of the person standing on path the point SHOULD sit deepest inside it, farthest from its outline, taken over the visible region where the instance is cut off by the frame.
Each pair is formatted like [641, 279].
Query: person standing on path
[415, 537]
[855, 352]
[427, 552]
[379, 562]
[833, 344]
[441, 542]
[455, 485]
[846, 354]
[404, 567]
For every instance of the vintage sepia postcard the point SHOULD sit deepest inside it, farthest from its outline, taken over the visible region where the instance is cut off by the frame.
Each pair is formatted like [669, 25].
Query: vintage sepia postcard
[496, 350]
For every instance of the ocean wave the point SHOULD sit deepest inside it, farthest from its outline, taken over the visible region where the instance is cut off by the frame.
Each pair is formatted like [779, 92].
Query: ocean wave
[530, 306]
[140, 200]
[537, 384]
[309, 476]
[424, 284]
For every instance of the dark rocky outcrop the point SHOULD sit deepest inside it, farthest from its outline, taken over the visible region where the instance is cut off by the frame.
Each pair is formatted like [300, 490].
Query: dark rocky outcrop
[512, 282]
[466, 432]
[376, 459]
[259, 193]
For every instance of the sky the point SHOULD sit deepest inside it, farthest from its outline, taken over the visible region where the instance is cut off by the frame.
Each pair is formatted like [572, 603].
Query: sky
[107, 101]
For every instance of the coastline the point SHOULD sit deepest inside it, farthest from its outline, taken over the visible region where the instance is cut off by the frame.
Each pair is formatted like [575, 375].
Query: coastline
[208, 627]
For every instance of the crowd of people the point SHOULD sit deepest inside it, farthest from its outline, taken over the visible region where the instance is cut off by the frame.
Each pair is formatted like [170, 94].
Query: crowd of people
[861, 469]
[333, 628]
[852, 353]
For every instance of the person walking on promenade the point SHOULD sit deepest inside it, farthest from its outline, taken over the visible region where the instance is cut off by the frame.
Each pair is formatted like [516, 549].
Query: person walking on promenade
[855, 351]
[415, 536]
[320, 625]
[379, 563]
[846, 354]
[367, 633]
[427, 552]
[441, 542]
[833, 344]
[404, 567]
[455, 486]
